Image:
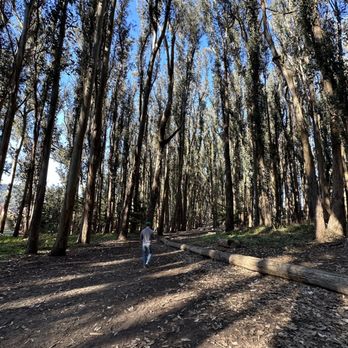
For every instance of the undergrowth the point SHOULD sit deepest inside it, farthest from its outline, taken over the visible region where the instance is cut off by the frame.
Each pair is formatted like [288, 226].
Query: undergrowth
[271, 237]
[12, 246]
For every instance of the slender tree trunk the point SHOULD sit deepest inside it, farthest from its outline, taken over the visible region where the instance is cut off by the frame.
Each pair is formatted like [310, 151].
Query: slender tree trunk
[229, 220]
[275, 156]
[179, 219]
[337, 220]
[279, 60]
[14, 85]
[39, 107]
[212, 175]
[13, 175]
[125, 167]
[334, 90]
[35, 222]
[165, 197]
[123, 232]
[323, 184]
[60, 245]
[21, 209]
[161, 141]
[117, 126]
[96, 132]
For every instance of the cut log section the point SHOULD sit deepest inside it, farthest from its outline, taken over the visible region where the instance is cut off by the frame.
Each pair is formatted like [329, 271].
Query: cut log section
[326, 280]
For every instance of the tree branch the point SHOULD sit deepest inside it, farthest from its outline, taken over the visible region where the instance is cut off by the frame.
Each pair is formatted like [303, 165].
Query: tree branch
[166, 141]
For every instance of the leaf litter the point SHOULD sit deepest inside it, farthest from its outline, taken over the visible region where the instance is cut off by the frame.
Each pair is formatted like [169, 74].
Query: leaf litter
[182, 300]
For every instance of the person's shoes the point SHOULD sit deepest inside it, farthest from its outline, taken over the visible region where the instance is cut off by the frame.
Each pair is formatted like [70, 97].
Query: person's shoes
[146, 265]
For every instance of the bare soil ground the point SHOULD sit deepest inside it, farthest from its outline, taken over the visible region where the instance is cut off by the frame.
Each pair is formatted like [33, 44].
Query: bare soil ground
[101, 296]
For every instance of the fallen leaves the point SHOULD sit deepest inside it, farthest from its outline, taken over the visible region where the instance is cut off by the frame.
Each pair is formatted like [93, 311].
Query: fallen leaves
[199, 303]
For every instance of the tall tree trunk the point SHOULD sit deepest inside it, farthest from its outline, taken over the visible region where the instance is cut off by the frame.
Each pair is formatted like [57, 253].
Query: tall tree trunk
[157, 42]
[115, 138]
[13, 175]
[254, 106]
[229, 219]
[335, 92]
[162, 126]
[212, 175]
[14, 85]
[323, 184]
[35, 222]
[275, 157]
[96, 132]
[279, 60]
[164, 198]
[179, 218]
[39, 108]
[21, 208]
[60, 245]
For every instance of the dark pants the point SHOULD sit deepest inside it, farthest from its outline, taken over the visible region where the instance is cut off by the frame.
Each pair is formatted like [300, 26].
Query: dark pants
[146, 251]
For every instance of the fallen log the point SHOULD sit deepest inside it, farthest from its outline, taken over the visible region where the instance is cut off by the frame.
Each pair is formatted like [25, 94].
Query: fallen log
[323, 279]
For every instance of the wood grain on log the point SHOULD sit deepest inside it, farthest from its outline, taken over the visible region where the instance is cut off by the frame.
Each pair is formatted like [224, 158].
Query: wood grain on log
[323, 279]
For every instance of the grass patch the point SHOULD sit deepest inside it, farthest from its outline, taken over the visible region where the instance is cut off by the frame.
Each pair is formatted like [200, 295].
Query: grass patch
[287, 236]
[11, 246]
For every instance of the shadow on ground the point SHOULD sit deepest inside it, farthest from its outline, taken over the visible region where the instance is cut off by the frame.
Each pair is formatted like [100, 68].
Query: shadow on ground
[102, 297]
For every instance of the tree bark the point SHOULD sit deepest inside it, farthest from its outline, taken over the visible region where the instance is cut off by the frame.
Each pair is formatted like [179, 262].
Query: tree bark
[13, 175]
[35, 221]
[60, 245]
[162, 126]
[21, 209]
[164, 198]
[334, 90]
[279, 60]
[179, 217]
[157, 42]
[96, 132]
[326, 280]
[14, 85]
[229, 219]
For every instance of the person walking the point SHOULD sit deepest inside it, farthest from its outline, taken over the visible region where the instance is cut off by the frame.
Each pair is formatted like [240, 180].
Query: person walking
[146, 235]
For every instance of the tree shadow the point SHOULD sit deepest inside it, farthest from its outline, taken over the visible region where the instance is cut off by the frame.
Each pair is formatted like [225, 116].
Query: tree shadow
[175, 303]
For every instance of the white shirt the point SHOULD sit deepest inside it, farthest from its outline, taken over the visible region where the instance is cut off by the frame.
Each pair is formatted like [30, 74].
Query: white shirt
[145, 236]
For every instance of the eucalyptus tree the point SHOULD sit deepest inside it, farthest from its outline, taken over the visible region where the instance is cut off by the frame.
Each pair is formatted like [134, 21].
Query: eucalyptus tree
[328, 58]
[60, 245]
[223, 20]
[14, 81]
[17, 152]
[181, 22]
[162, 126]
[153, 12]
[96, 126]
[31, 101]
[188, 46]
[256, 115]
[281, 60]
[121, 104]
[60, 18]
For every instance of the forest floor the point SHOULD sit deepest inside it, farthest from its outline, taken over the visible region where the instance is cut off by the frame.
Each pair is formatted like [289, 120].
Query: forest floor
[101, 296]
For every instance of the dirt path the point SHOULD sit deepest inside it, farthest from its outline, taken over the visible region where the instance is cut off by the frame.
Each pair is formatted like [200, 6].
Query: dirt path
[102, 297]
